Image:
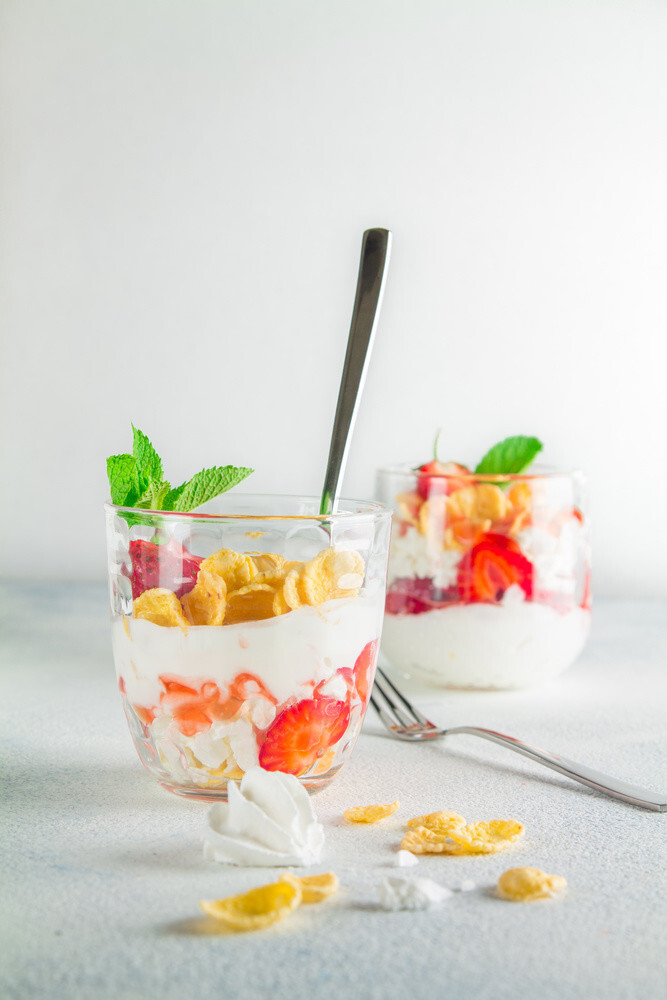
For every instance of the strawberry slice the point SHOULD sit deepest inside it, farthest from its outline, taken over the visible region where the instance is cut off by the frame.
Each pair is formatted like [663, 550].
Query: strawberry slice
[493, 565]
[303, 733]
[169, 565]
[364, 668]
[438, 478]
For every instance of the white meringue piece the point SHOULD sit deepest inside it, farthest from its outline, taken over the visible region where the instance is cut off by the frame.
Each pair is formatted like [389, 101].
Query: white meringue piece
[411, 893]
[268, 820]
[405, 859]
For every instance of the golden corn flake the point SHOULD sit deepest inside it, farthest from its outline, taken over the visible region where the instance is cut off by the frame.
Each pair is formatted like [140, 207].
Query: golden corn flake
[291, 589]
[267, 562]
[491, 502]
[485, 837]
[292, 564]
[521, 885]
[370, 814]
[314, 888]
[161, 607]
[332, 574]
[258, 908]
[280, 605]
[250, 604]
[463, 503]
[447, 833]
[420, 840]
[206, 603]
[236, 568]
[519, 495]
[438, 822]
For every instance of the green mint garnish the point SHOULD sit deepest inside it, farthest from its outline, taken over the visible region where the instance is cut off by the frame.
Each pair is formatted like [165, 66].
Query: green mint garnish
[123, 479]
[137, 480]
[205, 485]
[509, 457]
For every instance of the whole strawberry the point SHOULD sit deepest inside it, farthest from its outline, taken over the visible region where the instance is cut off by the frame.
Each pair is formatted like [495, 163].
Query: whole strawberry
[169, 565]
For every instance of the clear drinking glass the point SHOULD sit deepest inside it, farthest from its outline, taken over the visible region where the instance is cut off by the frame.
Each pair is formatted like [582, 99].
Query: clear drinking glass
[246, 633]
[489, 576]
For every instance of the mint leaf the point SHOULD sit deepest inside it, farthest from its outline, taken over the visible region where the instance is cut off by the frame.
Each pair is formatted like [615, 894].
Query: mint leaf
[154, 495]
[509, 457]
[149, 463]
[123, 479]
[172, 496]
[207, 484]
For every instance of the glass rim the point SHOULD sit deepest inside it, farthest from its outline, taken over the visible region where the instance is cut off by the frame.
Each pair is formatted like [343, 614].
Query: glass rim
[367, 510]
[538, 472]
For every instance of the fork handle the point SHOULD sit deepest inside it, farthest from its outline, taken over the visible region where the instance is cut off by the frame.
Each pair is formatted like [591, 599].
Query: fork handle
[579, 772]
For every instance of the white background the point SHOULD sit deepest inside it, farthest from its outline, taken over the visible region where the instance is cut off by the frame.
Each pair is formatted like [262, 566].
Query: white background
[184, 189]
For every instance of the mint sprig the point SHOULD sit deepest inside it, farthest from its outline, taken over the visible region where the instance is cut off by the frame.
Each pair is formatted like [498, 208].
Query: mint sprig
[137, 480]
[509, 457]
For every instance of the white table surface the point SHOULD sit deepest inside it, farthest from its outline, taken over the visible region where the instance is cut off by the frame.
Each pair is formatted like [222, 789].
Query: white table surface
[103, 870]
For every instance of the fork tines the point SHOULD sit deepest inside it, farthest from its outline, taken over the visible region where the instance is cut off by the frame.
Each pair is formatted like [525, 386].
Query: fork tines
[402, 714]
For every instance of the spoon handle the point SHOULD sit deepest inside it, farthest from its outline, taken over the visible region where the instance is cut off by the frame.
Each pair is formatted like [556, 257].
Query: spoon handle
[375, 250]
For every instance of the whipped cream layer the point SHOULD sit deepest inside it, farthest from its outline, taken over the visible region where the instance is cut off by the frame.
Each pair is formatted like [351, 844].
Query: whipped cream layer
[289, 654]
[511, 645]
[269, 820]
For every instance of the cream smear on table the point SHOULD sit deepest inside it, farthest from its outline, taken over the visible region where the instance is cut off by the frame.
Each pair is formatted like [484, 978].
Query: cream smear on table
[515, 644]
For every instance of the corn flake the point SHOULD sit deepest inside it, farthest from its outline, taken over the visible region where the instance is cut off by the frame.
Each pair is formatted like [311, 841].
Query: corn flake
[333, 573]
[491, 502]
[486, 837]
[206, 603]
[250, 604]
[438, 822]
[267, 562]
[257, 908]
[236, 568]
[314, 888]
[447, 833]
[521, 885]
[161, 607]
[420, 840]
[370, 814]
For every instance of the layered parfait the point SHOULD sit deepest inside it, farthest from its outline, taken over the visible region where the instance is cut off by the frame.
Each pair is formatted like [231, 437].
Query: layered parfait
[489, 570]
[245, 634]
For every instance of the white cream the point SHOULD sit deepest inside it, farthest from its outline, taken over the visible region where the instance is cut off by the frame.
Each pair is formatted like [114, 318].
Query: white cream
[412, 555]
[511, 645]
[289, 654]
[269, 820]
[411, 894]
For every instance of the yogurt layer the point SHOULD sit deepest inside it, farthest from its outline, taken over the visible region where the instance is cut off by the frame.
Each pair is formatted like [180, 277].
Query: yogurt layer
[289, 654]
[511, 645]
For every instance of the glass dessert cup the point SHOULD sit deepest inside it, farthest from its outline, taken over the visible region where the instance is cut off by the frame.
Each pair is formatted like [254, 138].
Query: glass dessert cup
[489, 576]
[246, 633]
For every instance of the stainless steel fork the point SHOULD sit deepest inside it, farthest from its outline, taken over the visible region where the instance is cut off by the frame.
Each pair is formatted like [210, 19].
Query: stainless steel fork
[403, 720]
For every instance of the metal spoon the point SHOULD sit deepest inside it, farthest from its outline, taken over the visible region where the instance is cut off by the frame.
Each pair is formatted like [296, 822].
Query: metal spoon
[375, 250]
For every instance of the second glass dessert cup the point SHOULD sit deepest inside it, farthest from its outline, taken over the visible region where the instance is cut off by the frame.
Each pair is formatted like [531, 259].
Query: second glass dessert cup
[489, 576]
[246, 633]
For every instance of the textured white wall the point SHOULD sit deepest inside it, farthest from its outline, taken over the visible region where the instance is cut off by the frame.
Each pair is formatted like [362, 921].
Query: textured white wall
[183, 194]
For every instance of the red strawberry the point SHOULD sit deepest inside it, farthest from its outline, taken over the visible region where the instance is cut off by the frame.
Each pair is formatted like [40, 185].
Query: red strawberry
[414, 595]
[491, 567]
[364, 668]
[302, 733]
[436, 478]
[169, 565]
